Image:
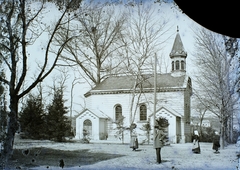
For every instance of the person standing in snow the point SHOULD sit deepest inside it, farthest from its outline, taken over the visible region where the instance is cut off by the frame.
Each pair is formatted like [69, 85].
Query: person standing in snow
[159, 142]
[134, 139]
[196, 146]
[216, 144]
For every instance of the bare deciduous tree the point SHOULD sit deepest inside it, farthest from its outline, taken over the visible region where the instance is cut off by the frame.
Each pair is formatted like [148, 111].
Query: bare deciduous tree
[98, 29]
[201, 112]
[215, 82]
[22, 23]
[143, 39]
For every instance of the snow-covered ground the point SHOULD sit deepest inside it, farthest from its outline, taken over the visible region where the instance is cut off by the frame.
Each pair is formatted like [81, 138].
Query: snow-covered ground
[175, 156]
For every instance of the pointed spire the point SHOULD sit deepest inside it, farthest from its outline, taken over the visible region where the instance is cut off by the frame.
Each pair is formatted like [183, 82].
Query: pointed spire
[178, 49]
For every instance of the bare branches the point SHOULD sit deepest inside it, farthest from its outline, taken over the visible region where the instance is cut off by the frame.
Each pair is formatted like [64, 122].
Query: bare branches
[97, 29]
[21, 25]
[43, 73]
[212, 63]
[143, 37]
[216, 83]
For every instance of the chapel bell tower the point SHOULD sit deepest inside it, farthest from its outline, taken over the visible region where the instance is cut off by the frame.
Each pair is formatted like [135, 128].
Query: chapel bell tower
[178, 57]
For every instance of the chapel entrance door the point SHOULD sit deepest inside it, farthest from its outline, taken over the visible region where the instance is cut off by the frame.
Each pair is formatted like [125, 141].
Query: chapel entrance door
[87, 127]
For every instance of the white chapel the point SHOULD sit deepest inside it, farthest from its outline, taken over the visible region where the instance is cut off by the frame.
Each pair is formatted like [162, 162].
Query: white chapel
[112, 97]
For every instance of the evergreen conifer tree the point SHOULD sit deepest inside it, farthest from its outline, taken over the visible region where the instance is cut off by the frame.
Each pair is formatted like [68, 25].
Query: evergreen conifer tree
[32, 118]
[57, 123]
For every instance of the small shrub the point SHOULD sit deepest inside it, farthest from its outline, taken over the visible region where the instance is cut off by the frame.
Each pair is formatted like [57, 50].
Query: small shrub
[84, 140]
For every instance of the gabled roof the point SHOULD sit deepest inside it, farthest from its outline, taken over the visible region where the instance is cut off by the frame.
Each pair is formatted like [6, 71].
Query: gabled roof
[99, 114]
[126, 83]
[178, 49]
[169, 110]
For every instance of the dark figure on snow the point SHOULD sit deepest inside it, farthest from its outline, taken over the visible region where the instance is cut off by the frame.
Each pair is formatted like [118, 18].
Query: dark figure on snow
[61, 163]
[196, 146]
[159, 142]
[134, 139]
[216, 144]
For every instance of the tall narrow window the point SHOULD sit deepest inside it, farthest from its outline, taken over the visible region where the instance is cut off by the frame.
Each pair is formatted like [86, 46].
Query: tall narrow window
[182, 65]
[118, 112]
[177, 65]
[172, 65]
[143, 112]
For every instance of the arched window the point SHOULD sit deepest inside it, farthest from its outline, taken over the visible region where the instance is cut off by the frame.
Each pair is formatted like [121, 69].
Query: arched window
[118, 112]
[182, 65]
[143, 112]
[87, 127]
[177, 65]
[172, 65]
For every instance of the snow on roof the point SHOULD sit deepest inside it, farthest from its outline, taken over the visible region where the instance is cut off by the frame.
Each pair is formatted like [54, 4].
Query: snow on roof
[116, 83]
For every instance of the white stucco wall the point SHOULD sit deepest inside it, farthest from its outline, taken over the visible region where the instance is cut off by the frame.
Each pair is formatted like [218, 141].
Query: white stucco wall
[95, 125]
[106, 103]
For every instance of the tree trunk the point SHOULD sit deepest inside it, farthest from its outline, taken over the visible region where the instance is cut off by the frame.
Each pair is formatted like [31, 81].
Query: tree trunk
[98, 80]
[230, 129]
[200, 127]
[222, 135]
[11, 130]
[122, 136]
